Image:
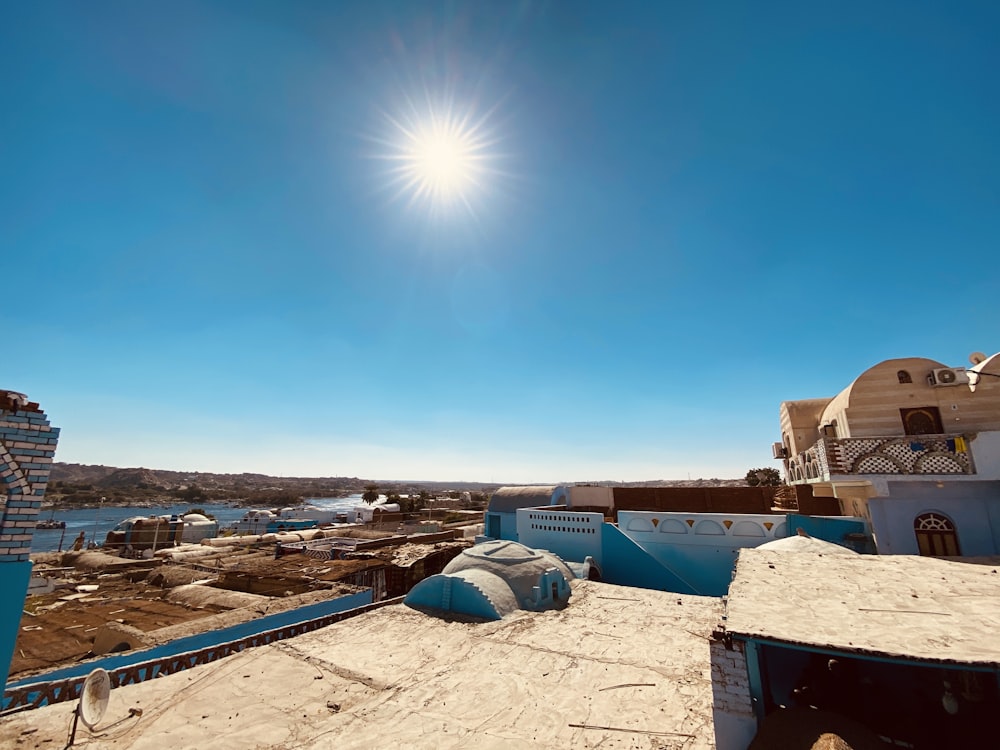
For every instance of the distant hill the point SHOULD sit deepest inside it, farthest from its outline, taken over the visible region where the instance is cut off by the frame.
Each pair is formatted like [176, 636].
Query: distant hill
[79, 473]
[112, 477]
[129, 478]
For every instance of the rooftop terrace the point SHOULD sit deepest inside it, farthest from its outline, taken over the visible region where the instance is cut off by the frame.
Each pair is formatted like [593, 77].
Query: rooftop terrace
[619, 667]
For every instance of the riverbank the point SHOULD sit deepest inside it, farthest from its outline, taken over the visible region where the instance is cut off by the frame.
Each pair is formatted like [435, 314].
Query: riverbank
[163, 502]
[96, 521]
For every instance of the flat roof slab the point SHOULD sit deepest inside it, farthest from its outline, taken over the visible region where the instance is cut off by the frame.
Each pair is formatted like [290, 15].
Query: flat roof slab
[619, 667]
[919, 608]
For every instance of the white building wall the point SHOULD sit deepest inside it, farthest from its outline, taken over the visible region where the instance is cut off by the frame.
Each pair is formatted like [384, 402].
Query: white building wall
[700, 548]
[572, 536]
[985, 449]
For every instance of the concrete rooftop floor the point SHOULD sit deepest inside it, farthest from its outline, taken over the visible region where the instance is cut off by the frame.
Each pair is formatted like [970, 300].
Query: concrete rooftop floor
[618, 668]
[894, 605]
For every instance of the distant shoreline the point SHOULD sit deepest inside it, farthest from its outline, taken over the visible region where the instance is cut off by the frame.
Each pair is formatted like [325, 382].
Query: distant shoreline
[164, 502]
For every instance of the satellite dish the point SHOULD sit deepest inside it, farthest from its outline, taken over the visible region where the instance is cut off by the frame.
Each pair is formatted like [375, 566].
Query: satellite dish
[977, 357]
[94, 697]
[93, 702]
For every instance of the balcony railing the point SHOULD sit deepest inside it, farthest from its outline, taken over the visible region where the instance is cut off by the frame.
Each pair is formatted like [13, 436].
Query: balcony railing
[909, 454]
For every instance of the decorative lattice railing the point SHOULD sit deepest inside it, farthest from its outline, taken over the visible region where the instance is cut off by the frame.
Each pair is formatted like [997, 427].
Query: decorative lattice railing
[910, 454]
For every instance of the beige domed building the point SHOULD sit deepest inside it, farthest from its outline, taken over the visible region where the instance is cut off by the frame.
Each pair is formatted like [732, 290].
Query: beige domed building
[912, 445]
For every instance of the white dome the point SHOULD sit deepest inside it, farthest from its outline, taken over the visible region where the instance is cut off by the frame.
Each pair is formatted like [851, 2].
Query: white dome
[494, 579]
[806, 544]
[522, 568]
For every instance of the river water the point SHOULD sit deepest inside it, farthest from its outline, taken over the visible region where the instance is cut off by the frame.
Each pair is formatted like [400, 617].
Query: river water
[97, 522]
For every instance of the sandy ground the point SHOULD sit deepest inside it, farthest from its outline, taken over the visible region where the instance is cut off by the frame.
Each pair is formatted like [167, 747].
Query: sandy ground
[618, 668]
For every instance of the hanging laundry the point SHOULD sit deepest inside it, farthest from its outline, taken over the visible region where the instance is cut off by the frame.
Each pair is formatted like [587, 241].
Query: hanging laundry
[950, 442]
[960, 445]
[916, 447]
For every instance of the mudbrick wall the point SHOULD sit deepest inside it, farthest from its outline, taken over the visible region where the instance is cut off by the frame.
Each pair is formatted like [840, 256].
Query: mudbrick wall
[732, 706]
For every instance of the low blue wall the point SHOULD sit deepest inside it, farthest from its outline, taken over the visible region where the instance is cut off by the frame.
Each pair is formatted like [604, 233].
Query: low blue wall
[847, 531]
[202, 640]
[625, 563]
[14, 579]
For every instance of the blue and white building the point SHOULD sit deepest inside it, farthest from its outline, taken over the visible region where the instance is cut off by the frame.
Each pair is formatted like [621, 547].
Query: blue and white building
[687, 553]
[27, 447]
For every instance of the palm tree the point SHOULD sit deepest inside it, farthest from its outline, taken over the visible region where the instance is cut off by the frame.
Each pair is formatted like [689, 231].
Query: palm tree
[370, 494]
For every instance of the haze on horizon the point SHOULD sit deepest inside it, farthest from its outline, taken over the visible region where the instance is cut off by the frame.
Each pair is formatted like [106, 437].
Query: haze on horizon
[511, 242]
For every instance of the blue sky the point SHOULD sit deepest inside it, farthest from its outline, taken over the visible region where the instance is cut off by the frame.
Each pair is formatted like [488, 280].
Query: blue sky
[689, 213]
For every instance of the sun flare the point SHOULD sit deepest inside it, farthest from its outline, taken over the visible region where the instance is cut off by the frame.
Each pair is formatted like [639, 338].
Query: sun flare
[440, 158]
[444, 162]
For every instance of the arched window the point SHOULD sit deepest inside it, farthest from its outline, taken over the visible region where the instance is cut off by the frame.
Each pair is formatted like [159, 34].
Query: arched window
[904, 376]
[936, 535]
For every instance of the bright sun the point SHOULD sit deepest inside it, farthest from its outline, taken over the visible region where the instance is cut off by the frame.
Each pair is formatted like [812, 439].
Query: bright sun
[439, 158]
[443, 162]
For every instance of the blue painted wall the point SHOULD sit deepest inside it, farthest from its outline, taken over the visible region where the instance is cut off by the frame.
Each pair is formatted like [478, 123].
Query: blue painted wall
[627, 564]
[700, 548]
[501, 526]
[834, 529]
[14, 578]
[707, 570]
[453, 593]
[690, 553]
[205, 640]
[993, 519]
[976, 519]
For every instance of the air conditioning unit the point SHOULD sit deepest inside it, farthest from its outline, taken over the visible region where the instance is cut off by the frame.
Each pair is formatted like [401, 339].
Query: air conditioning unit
[949, 376]
[778, 450]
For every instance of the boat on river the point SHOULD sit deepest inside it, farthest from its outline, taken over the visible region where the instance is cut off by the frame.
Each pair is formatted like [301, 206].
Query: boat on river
[153, 532]
[285, 519]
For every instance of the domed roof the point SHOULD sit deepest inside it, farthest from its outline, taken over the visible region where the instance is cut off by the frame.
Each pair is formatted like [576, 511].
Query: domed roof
[495, 578]
[809, 544]
[518, 565]
[873, 378]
